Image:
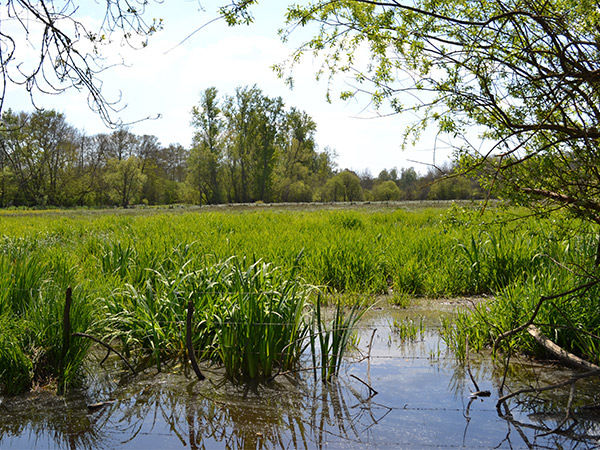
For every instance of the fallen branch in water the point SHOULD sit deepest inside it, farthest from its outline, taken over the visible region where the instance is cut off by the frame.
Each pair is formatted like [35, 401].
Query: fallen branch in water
[563, 356]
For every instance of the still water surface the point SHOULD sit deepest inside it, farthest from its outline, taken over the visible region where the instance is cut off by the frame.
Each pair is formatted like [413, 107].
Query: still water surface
[422, 401]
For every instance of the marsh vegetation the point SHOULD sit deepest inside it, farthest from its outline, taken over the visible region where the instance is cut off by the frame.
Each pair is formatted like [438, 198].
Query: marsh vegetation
[270, 286]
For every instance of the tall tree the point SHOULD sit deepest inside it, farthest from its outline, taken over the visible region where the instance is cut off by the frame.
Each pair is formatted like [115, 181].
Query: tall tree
[207, 151]
[297, 154]
[125, 179]
[270, 116]
[252, 123]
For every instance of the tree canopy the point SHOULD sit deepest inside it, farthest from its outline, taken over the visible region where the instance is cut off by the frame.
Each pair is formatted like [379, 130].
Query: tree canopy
[522, 74]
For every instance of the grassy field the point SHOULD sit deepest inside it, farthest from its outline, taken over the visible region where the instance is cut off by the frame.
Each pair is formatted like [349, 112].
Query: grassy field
[252, 274]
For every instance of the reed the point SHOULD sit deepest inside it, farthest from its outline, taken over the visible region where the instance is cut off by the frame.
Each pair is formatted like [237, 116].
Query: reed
[333, 337]
[409, 329]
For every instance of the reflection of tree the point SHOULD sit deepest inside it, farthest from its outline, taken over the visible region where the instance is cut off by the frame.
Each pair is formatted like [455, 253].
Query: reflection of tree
[540, 418]
[289, 412]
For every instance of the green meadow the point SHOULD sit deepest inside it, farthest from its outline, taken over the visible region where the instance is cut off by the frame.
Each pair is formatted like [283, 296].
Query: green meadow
[258, 276]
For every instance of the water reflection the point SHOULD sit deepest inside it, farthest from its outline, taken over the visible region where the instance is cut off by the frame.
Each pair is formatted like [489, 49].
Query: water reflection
[422, 401]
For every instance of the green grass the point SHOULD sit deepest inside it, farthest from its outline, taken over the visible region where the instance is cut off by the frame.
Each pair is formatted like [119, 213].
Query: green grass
[134, 272]
[333, 337]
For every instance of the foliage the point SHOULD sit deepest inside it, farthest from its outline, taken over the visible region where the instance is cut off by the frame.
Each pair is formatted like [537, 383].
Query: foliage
[124, 179]
[386, 190]
[512, 84]
[46, 162]
[343, 187]
[571, 322]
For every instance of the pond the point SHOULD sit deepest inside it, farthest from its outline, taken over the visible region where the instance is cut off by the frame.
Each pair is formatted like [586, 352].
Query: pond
[420, 397]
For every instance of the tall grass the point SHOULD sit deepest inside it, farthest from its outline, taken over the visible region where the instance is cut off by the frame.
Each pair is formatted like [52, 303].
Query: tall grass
[571, 321]
[32, 304]
[135, 272]
[333, 337]
[249, 316]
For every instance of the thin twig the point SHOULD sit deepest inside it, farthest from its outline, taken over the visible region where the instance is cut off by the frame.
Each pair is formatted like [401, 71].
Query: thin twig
[188, 340]
[369, 357]
[373, 391]
[104, 344]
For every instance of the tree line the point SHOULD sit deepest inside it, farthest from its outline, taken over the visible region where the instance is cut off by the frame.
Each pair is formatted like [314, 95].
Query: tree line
[247, 147]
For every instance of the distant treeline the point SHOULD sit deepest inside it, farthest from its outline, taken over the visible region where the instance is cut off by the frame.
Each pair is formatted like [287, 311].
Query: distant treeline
[246, 148]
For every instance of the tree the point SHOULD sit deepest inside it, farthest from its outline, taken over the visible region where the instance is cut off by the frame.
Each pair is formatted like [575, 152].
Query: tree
[40, 149]
[125, 179]
[343, 187]
[386, 190]
[524, 74]
[206, 155]
[296, 158]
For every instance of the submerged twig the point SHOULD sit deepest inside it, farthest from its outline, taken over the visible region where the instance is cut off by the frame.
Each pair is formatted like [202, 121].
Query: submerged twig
[369, 358]
[469, 365]
[108, 346]
[373, 391]
[570, 381]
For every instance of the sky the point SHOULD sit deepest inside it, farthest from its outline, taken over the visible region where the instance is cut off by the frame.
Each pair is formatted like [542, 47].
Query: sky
[166, 78]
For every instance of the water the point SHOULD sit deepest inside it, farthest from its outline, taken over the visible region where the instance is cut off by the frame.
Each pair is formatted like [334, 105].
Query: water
[422, 401]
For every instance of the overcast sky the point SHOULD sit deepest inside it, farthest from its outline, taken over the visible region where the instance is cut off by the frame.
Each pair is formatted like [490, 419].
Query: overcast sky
[166, 79]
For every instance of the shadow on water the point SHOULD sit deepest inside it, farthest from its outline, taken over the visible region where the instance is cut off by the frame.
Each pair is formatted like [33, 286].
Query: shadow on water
[422, 401]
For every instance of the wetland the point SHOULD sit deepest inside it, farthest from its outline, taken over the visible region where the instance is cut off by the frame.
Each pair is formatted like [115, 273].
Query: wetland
[363, 326]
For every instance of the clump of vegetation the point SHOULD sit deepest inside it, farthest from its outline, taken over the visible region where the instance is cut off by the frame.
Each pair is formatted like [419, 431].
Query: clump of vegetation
[408, 329]
[32, 304]
[333, 337]
[553, 301]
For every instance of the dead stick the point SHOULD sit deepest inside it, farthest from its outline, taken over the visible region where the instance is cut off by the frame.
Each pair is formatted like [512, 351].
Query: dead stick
[373, 391]
[190, 346]
[564, 356]
[66, 325]
[369, 357]
[66, 342]
[105, 345]
[469, 365]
